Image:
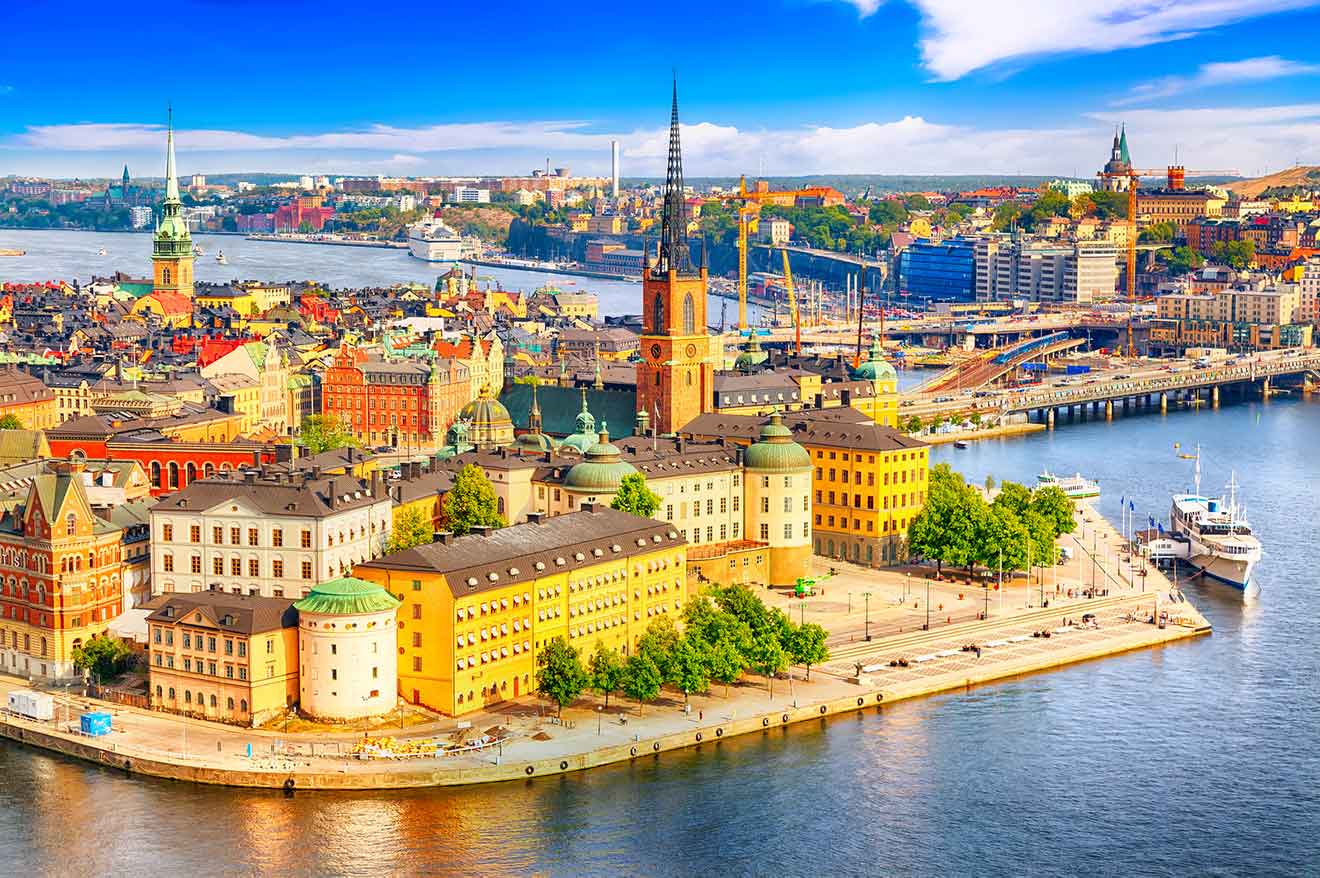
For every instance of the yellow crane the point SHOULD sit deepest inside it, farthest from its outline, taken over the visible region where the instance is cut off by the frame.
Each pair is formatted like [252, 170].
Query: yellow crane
[793, 304]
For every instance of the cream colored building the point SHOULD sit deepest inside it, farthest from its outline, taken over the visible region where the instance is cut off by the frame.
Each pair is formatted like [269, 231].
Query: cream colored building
[265, 394]
[347, 645]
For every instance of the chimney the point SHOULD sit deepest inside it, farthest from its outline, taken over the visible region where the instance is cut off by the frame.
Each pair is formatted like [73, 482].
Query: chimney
[375, 483]
[316, 471]
[845, 398]
[334, 497]
[820, 401]
[589, 506]
[481, 530]
[250, 477]
[256, 458]
[535, 517]
[443, 537]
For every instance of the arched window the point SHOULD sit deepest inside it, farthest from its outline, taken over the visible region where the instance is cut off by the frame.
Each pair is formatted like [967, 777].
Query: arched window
[171, 693]
[658, 314]
[187, 696]
[689, 379]
[174, 474]
[71, 524]
[213, 701]
[158, 691]
[689, 315]
[231, 704]
[165, 275]
[191, 471]
[155, 474]
[242, 705]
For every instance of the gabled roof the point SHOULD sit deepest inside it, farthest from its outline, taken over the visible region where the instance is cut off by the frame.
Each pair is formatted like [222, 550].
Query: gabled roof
[236, 613]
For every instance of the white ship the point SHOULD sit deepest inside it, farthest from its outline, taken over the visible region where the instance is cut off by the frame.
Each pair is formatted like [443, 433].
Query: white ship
[1219, 541]
[434, 241]
[220, 258]
[1075, 487]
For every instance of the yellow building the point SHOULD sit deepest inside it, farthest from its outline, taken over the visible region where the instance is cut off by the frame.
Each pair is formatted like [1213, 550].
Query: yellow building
[27, 398]
[868, 481]
[478, 609]
[225, 657]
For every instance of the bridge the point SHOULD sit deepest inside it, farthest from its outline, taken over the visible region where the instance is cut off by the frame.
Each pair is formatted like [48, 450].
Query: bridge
[995, 363]
[1152, 384]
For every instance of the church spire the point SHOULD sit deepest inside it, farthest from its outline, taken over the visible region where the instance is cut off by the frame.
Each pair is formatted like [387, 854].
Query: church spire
[674, 254]
[534, 416]
[171, 180]
[1123, 147]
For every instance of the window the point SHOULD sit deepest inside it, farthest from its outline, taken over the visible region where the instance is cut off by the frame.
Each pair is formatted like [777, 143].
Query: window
[210, 644]
[307, 570]
[765, 532]
[305, 539]
[187, 640]
[788, 504]
[242, 649]
[417, 611]
[254, 567]
[229, 647]
[167, 533]
[417, 664]
[167, 563]
[71, 525]
[235, 535]
[277, 569]
[689, 315]
[277, 537]
[195, 533]
[218, 535]
[218, 566]
[252, 536]
[765, 504]
[417, 639]
[236, 566]
[788, 531]
[270, 647]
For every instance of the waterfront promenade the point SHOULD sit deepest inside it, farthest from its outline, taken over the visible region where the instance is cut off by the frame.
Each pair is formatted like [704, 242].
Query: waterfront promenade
[858, 676]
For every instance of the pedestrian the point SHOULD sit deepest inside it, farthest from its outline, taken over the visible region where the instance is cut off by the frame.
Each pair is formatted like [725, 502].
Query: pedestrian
[701, 715]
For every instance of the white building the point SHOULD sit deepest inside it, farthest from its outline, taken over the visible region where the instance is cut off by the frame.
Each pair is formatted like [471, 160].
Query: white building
[347, 650]
[405, 202]
[266, 532]
[305, 182]
[1008, 267]
[470, 195]
[140, 216]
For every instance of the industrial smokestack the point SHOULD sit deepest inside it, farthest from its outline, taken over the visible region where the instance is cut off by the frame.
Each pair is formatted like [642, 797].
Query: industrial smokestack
[614, 169]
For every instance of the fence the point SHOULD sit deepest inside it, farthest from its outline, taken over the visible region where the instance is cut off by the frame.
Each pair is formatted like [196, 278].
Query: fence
[118, 696]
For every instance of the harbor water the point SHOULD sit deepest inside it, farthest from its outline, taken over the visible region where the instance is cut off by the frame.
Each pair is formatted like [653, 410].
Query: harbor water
[1195, 759]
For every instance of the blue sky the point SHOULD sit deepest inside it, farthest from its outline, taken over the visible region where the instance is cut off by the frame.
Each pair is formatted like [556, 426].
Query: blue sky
[775, 86]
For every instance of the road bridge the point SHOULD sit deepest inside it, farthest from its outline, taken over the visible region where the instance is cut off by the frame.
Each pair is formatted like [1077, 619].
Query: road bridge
[994, 364]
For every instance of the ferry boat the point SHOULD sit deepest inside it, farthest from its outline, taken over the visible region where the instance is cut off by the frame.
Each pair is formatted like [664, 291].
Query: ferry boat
[220, 258]
[1075, 486]
[434, 241]
[1219, 540]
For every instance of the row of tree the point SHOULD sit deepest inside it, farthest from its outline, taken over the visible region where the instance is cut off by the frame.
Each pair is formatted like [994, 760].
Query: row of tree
[726, 632]
[959, 528]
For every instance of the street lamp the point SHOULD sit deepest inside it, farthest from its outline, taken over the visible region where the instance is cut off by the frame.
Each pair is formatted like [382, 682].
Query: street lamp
[599, 710]
[867, 628]
[926, 627]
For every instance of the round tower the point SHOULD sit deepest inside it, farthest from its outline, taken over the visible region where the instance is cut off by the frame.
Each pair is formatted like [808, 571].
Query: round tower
[347, 645]
[778, 500]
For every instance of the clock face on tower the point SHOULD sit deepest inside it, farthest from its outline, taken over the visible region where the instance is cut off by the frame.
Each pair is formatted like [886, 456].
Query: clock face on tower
[691, 351]
[655, 351]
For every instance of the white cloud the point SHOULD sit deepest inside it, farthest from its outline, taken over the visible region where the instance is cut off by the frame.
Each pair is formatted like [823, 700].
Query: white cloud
[961, 36]
[865, 7]
[1219, 73]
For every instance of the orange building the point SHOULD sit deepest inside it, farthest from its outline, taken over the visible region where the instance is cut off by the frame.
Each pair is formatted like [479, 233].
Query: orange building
[676, 375]
[403, 403]
[25, 397]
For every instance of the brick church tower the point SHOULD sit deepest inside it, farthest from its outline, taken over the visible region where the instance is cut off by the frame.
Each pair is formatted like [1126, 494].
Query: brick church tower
[675, 379]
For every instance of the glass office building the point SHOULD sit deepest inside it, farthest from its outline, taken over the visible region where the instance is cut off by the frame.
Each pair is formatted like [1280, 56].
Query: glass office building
[938, 272]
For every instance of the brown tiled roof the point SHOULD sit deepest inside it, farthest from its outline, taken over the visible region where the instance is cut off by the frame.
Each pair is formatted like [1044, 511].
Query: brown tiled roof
[247, 614]
[840, 427]
[281, 494]
[557, 544]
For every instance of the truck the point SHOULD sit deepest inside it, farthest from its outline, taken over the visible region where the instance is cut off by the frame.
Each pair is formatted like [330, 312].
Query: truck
[33, 705]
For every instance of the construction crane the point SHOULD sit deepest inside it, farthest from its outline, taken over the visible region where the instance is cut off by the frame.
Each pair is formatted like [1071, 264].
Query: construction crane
[793, 304]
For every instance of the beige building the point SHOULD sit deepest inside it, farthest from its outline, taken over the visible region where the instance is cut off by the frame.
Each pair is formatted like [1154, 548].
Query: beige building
[347, 643]
[257, 375]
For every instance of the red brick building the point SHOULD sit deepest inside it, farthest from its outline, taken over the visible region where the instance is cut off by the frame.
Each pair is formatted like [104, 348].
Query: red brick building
[402, 403]
[305, 209]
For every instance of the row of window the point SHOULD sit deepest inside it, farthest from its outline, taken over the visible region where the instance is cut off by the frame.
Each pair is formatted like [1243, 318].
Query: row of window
[838, 475]
[236, 566]
[904, 499]
[201, 667]
[200, 700]
[236, 535]
[896, 525]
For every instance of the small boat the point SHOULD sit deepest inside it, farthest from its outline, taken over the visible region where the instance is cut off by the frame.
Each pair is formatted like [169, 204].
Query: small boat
[220, 258]
[960, 443]
[198, 251]
[1075, 486]
[100, 252]
[13, 252]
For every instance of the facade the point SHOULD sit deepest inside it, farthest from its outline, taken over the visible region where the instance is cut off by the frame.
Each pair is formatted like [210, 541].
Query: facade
[401, 403]
[478, 609]
[778, 501]
[266, 532]
[1008, 267]
[172, 247]
[223, 657]
[347, 644]
[1177, 206]
[676, 374]
[266, 369]
[62, 574]
[938, 271]
[1260, 318]
[27, 398]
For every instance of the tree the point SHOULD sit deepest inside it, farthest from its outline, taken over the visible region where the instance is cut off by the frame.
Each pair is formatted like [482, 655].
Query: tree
[559, 673]
[913, 424]
[1001, 539]
[104, 657]
[989, 483]
[1014, 497]
[688, 666]
[946, 528]
[889, 213]
[1159, 233]
[1006, 216]
[411, 527]
[1183, 260]
[767, 657]
[807, 646]
[635, 497]
[471, 502]
[324, 433]
[1056, 507]
[1235, 254]
[10, 421]
[641, 679]
[918, 202]
[606, 670]
[657, 643]
[725, 660]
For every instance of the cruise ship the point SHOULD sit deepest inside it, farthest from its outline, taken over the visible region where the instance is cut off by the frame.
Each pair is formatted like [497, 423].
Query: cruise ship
[1076, 487]
[434, 241]
[1219, 542]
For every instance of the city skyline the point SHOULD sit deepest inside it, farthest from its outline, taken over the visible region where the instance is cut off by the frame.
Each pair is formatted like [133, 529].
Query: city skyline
[835, 86]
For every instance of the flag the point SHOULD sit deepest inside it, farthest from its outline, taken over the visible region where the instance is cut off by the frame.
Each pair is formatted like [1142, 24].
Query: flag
[1152, 520]
[1161, 527]
[1132, 507]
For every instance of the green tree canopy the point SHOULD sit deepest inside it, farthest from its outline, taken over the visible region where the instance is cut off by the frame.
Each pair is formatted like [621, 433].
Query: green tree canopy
[657, 643]
[688, 665]
[104, 657]
[890, 213]
[411, 527]
[10, 421]
[807, 646]
[725, 660]
[559, 673]
[324, 433]
[606, 670]
[1159, 233]
[917, 201]
[1055, 506]
[1235, 254]
[768, 657]
[641, 679]
[471, 502]
[1184, 260]
[634, 496]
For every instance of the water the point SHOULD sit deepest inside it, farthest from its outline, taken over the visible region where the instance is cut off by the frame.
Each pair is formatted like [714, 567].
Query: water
[69, 255]
[1195, 759]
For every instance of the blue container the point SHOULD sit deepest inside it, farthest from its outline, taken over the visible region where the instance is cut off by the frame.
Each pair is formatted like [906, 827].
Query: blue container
[1077, 370]
[1034, 367]
[95, 724]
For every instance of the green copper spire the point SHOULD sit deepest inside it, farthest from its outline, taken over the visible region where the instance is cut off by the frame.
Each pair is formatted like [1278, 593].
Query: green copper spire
[172, 238]
[1122, 146]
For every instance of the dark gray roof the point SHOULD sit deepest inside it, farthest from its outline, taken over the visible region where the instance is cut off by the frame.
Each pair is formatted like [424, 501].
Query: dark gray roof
[512, 554]
[275, 494]
[839, 427]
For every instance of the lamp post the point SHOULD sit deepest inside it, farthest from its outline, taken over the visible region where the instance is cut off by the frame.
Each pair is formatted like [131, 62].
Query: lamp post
[926, 627]
[867, 626]
[802, 616]
[599, 711]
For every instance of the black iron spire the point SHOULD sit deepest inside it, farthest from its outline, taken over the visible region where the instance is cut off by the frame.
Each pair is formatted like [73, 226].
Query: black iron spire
[673, 224]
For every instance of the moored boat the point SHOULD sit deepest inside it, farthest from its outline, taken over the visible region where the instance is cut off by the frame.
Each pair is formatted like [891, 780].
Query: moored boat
[1075, 486]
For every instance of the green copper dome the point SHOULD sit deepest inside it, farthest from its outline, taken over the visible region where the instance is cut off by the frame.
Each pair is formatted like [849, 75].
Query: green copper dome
[586, 435]
[601, 470]
[486, 411]
[535, 443]
[876, 368]
[775, 451]
[347, 597]
[752, 356]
